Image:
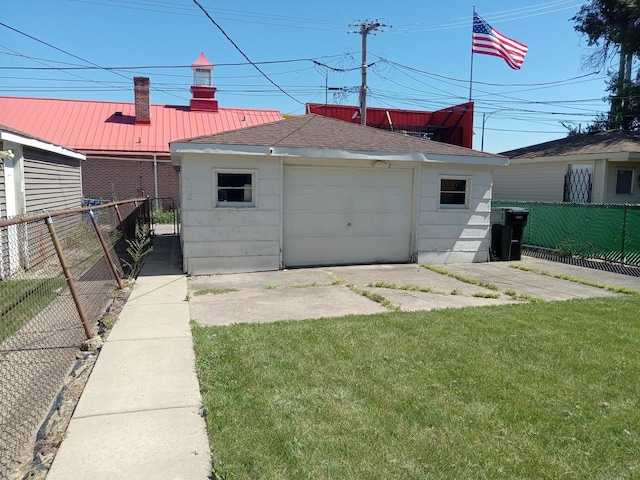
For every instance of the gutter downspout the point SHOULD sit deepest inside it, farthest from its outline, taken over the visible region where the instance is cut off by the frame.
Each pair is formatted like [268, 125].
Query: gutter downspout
[155, 178]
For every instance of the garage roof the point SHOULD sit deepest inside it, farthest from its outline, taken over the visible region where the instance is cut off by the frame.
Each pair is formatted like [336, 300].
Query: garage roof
[314, 135]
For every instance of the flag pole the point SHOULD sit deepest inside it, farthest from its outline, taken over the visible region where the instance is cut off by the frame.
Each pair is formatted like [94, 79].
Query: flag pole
[471, 74]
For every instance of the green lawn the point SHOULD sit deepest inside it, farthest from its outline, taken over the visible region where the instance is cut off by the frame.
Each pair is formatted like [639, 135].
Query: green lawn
[527, 391]
[21, 300]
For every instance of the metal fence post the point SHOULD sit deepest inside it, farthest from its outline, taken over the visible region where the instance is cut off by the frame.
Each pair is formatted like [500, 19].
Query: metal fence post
[122, 229]
[112, 265]
[67, 275]
[624, 232]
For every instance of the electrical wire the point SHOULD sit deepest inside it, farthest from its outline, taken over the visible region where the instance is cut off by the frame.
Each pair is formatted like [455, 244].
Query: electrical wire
[70, 54]
[243, 54]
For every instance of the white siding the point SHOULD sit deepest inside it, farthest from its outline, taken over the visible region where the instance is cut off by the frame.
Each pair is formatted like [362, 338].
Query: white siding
[226, 240]
[535, 181]
[451, 235]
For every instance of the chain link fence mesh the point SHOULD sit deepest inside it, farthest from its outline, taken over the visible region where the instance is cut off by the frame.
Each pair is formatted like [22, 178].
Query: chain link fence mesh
[602, 232]
[40, 325]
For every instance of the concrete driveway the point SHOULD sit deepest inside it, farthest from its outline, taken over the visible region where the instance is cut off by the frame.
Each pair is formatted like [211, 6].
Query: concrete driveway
[337, 291]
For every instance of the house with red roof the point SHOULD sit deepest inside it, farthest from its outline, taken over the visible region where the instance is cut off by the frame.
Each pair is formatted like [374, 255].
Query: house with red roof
[126, 144]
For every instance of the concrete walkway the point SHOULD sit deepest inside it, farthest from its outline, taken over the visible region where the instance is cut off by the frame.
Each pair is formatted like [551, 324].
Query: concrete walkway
[138, 417]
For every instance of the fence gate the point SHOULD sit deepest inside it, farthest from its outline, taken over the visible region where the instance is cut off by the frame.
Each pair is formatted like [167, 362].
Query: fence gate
[577, 184]
[165, 216]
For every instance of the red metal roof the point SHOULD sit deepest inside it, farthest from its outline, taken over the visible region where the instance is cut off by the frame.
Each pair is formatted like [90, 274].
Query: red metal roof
[452, 125]
[97, 126]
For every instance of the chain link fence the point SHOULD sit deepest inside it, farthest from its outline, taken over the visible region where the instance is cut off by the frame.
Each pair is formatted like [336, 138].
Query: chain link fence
[165, 216]
[599, 232]
[59, 273]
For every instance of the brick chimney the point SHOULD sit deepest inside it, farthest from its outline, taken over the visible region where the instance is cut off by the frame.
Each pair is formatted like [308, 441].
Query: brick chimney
[143, 106]
[203, 93]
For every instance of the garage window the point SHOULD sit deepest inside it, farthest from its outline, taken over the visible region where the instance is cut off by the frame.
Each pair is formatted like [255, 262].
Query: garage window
[454, 193]
[235, 188]
[624, 181]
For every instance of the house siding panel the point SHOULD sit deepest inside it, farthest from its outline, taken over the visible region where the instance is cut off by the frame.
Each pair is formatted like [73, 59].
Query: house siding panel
[51, 182]
[537, 181]
[227, 240]
[3, 193]
[449, 235]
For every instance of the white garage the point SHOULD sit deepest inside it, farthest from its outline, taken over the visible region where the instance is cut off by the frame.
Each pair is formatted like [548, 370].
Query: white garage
[312, 191]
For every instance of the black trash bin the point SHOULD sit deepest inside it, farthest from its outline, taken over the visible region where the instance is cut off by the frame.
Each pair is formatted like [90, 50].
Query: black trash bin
[507, 225]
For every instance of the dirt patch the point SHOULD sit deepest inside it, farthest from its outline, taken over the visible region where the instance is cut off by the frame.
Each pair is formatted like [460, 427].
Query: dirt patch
[54, 427]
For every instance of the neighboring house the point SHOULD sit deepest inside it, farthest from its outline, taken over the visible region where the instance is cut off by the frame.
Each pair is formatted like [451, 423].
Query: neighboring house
[127, 144]
[35, 177]
[452, 125]
[602, 167]
[312, 190]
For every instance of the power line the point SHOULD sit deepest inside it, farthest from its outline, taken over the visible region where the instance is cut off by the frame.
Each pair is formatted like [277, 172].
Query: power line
[56, 48]
[243, 54]
[70, 54]
[554, 82]
[148, 67]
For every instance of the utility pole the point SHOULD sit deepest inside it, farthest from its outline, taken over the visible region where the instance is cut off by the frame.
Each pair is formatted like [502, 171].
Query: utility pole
[365, 28]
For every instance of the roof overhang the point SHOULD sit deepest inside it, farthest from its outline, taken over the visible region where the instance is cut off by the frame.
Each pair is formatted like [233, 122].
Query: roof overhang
[180, 148]
[24, 140]
[578, 157]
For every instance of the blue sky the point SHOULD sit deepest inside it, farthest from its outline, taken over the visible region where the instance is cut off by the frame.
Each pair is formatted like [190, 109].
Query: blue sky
[422, 60]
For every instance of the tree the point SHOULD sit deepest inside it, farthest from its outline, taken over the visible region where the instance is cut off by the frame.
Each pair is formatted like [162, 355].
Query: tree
[614, 27]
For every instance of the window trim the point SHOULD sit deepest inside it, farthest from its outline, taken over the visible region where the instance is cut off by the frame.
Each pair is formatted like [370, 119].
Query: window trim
[218, 205]
[633, 176]
[467, 193]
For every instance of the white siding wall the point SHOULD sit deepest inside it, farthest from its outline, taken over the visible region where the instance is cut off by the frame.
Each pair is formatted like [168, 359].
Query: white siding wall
[611, 196]
[450, 235]
[539, 181]
[226, 240]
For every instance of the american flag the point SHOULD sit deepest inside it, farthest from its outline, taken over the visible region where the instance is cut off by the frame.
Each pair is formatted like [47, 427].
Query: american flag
[489, 41]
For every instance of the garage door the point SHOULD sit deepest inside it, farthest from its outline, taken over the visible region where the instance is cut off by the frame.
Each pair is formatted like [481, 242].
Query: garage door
[341, 216]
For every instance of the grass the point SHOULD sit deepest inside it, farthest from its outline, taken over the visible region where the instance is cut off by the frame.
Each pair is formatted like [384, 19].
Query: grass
[535, 390]
[21, 300]
[213, 291]
[408, 287]
[163, 216]
[374, 297]
[462, 278]
[523, 297]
